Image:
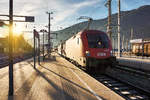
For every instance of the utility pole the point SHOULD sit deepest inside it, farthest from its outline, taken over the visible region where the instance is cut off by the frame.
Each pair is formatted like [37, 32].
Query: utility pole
[118, 28]
[113, 43]
[39, 50]
[126, 45]
[123, 43]
[49, 29]
[131, 37]
[43, 45]
[11, 89]
[109, 32]
[34, 49]
[114, 47]
[131, 34]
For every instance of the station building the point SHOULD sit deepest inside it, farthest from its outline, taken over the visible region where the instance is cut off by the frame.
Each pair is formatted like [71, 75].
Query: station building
[141, 46]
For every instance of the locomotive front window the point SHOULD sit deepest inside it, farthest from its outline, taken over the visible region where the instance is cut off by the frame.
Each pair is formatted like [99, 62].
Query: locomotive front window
[98, 41]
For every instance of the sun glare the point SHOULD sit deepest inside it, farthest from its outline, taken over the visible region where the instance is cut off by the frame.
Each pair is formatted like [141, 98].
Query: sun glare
[18, 30]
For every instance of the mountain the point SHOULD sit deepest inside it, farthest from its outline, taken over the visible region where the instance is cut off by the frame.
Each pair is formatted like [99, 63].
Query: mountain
[137, 19]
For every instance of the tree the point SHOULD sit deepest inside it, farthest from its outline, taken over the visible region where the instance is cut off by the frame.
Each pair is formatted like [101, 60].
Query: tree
[2, 23]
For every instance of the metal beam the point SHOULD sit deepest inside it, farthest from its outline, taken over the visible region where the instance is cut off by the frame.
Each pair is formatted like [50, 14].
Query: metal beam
[109, 28]
[118, 28]
[15, 15]
[11, 86]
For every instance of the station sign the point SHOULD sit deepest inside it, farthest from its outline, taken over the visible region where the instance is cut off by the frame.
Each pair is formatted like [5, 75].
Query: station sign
[29, 19]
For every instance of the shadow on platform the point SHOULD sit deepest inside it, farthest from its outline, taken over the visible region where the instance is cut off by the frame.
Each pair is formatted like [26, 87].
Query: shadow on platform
[61, 65]
[73, 85]
[50, 59]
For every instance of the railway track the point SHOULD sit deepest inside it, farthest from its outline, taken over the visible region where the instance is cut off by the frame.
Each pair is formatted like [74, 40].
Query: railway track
[5, 62]
[134, 70]
[126, 90]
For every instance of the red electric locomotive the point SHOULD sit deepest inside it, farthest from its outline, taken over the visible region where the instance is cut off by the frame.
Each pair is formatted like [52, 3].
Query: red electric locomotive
[89, 48]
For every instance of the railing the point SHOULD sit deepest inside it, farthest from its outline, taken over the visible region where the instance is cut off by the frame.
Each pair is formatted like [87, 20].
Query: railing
[130, 55]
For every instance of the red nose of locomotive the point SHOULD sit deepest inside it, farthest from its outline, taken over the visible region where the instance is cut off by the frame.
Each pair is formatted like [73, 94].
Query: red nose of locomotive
[97, 45]
[98, 53]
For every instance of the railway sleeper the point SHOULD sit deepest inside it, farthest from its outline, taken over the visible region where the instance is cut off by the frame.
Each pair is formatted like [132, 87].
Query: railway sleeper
[129, 92]
[110, 82]
[138, 97]
[102, 80]
[117, 84]
[133, 95]
[121, 88]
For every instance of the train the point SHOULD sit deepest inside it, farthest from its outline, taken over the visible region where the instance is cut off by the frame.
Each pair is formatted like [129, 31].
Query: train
[140, 47]
[88, 49]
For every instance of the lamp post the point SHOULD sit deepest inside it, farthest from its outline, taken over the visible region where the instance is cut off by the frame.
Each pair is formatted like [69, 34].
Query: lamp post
[43, 46]
[11, 89]
[27, 19]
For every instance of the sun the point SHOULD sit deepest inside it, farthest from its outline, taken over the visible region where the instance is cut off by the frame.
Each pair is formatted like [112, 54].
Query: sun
[18, 30]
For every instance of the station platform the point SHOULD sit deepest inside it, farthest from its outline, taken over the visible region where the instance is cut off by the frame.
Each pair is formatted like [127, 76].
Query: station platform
[139, 63]
[54, 79]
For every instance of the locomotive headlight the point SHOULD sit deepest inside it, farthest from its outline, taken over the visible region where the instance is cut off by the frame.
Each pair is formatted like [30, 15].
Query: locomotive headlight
[87, 53]
[111, 53]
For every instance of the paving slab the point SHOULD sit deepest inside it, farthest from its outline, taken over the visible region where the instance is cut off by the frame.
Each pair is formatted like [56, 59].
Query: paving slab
[54, 79]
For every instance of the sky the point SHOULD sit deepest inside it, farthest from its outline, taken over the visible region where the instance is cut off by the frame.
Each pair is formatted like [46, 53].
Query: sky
[65, 12]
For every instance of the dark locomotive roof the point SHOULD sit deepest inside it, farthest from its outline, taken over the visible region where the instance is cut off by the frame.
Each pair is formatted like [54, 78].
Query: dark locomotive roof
[92, 31]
